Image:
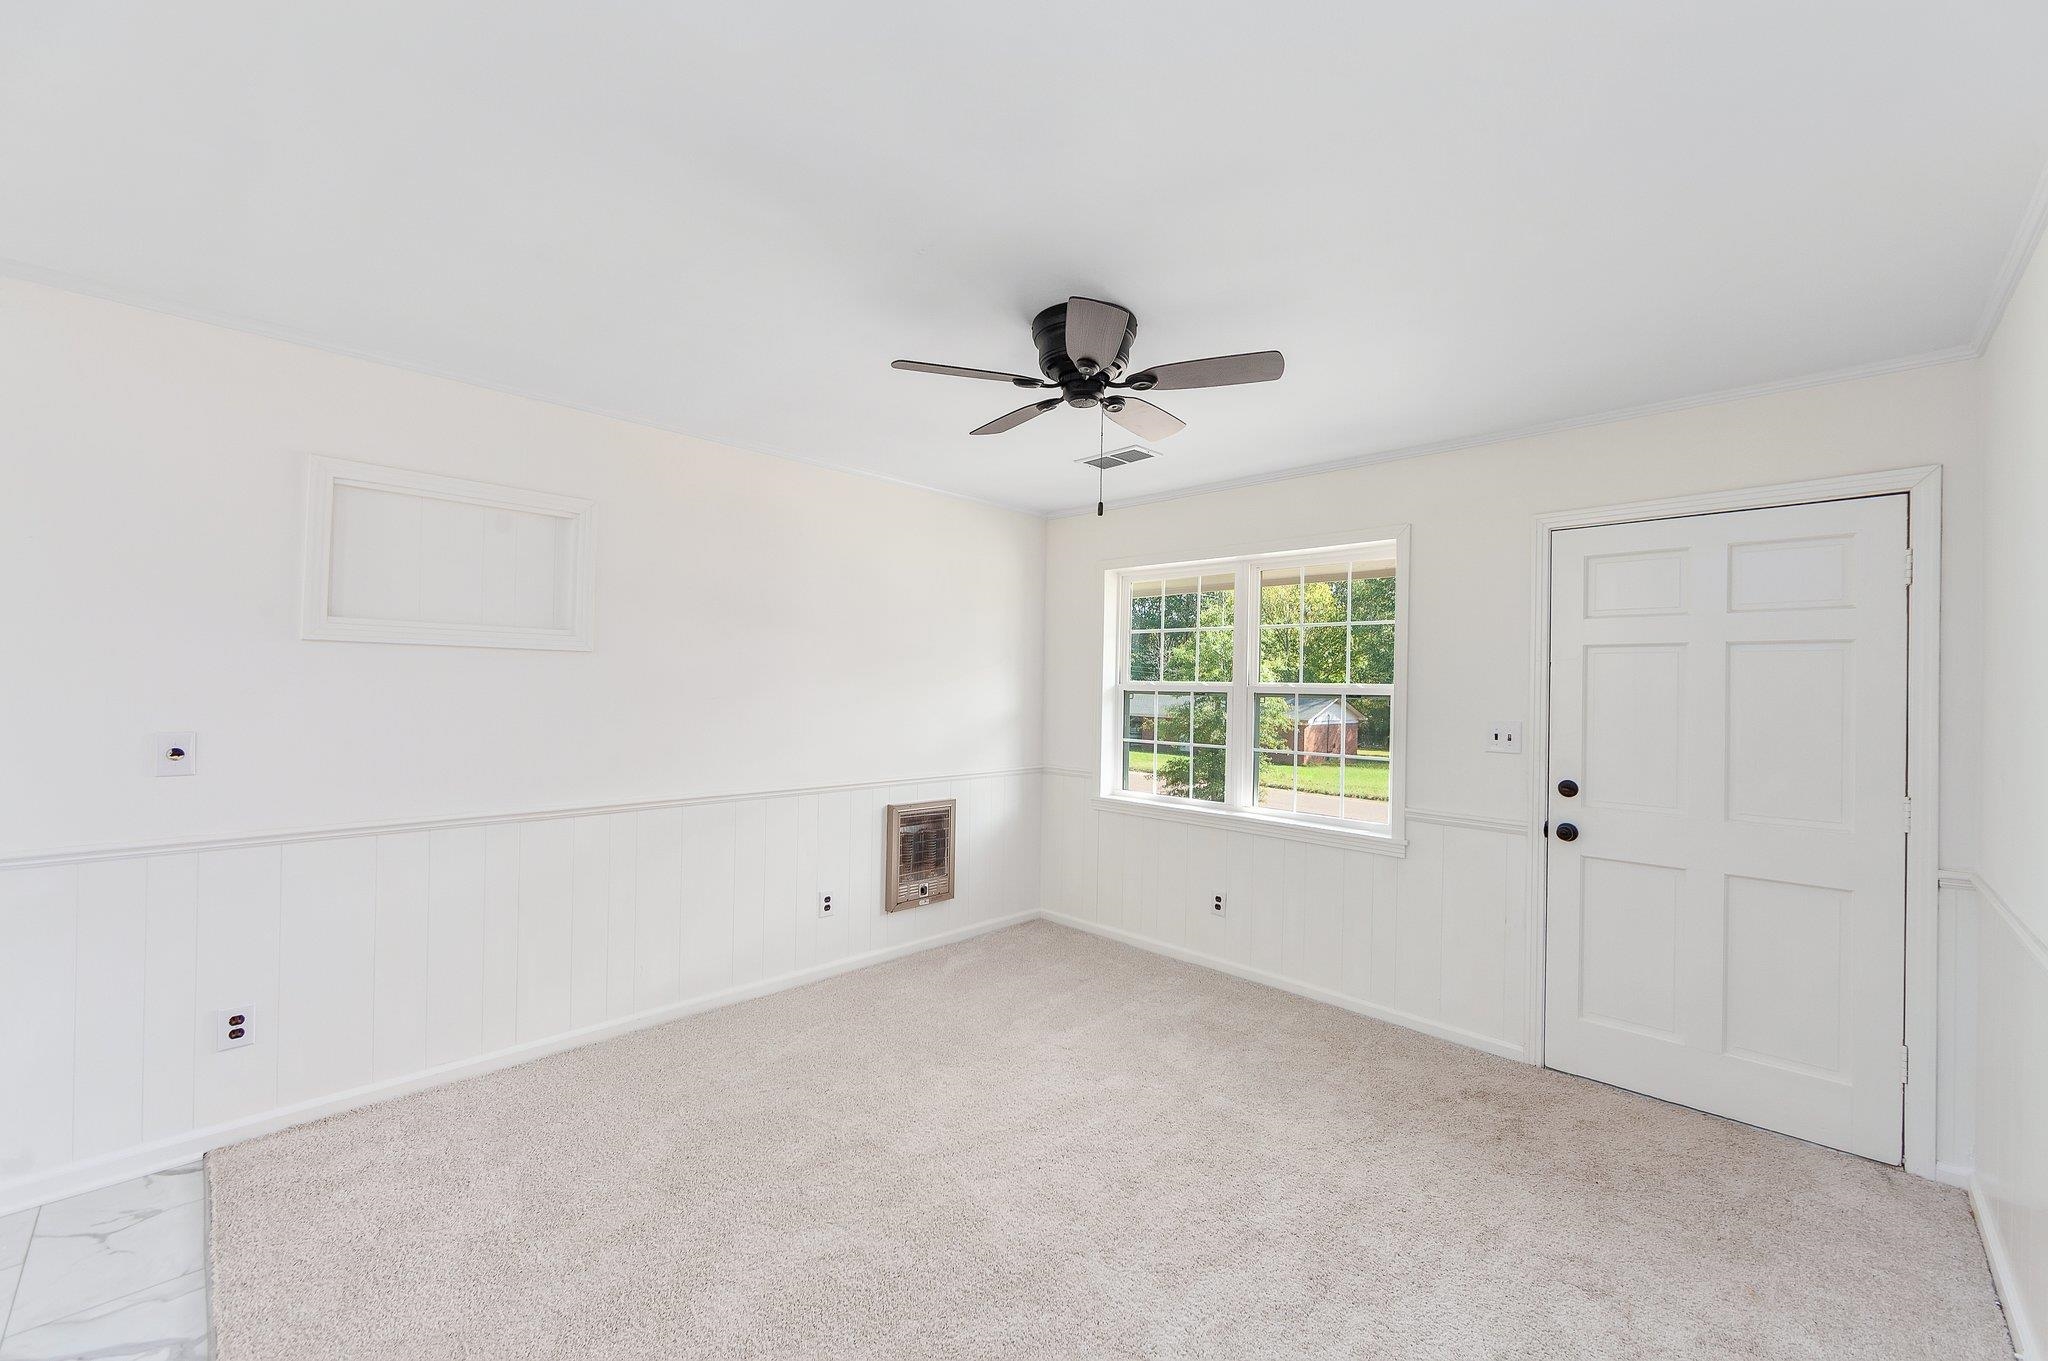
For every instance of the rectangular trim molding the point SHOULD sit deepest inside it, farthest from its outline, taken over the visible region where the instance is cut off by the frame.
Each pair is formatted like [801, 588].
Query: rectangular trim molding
[492, 568]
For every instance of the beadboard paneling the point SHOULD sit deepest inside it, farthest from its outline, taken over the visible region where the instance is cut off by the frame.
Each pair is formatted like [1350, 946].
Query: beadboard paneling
[2009, 1187]
[373, 960]
[1436, 939]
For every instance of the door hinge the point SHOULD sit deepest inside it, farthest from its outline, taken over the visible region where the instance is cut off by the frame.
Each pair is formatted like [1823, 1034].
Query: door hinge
[1905, 1064]
[1909, 567]
[1907, 804]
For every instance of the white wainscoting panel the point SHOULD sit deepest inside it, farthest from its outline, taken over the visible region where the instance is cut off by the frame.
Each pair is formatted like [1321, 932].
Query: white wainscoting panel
[2009, 1188]
[380, 962]
[1436, 940]
[1955, 1030]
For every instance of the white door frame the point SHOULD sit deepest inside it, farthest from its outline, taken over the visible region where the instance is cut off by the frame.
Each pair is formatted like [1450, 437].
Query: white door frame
[1922, 487]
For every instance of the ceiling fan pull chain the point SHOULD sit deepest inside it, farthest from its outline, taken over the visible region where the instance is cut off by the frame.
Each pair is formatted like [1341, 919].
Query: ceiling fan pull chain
[1101, 448]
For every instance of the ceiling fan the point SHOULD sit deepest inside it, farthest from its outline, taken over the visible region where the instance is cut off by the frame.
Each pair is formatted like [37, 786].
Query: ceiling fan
[1084, 350]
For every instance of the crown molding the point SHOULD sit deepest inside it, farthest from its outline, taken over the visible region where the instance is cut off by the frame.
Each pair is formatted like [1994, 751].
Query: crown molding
[2019, 253]
[2018, 256]
[1932, 358]
[23, 272]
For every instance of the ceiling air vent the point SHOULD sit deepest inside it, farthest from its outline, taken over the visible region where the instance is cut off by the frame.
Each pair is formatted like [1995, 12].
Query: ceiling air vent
[1117, 458]
[919, 854]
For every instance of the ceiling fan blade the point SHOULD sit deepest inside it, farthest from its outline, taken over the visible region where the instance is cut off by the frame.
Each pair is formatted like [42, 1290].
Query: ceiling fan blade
[1016, 418]
[954, 371]
[1222, 371]
[1095, 333]
[1143, 419]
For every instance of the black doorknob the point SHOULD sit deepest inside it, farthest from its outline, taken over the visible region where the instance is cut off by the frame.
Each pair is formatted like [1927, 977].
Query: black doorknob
[1567, 832]
[1568, 788]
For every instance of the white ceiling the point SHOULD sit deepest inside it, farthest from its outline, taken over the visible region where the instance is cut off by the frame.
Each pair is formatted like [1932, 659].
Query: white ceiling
[726, 219]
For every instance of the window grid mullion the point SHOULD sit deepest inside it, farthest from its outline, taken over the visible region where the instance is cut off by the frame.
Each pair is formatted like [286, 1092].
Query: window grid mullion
[1242, 692]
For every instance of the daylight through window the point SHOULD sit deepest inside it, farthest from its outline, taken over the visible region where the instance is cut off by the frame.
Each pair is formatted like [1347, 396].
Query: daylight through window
[1266, 685]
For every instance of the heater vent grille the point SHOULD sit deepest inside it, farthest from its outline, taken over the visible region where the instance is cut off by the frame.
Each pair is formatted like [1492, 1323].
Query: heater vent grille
[919, 853]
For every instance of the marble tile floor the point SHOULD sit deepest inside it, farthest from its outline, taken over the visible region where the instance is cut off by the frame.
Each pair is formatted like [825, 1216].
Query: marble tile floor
[117, 1274]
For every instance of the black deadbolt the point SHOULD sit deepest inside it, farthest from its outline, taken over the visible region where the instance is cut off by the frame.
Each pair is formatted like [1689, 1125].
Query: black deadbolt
[1568, 788]
[1567, 832]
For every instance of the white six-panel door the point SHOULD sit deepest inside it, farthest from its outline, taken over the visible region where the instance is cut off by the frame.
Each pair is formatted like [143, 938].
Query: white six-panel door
[1727, 927]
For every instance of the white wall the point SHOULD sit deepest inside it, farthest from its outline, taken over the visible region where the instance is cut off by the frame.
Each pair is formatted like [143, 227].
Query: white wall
[2011, 925]
[748, 625]
[1439, 939]
[751, 636]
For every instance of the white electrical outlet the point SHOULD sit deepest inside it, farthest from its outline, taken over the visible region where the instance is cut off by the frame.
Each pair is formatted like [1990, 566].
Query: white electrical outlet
[1505, 738]
[175, 753]
[1216, 905]
[233, 1029]
[826, 907]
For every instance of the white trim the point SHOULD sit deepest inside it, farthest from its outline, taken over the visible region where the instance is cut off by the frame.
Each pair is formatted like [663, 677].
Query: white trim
[1473, 821]
[91, 1175]
[1248, 821]
[334, 831]
[1471, 1039]
[1245, 562]
[2026, 1343]
[24, 272]
[2009, 276]
[1953, 1174]
[2023, 933]
[1276, 547]
[1953, 354]
[317, 620]
[1922, 487]
[2013, 268]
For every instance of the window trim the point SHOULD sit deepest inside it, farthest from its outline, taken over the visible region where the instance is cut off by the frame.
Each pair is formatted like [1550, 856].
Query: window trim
[1238, 810]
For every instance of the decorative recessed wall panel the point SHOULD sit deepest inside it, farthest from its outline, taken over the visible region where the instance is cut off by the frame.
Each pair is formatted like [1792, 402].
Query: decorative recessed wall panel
[401, 557]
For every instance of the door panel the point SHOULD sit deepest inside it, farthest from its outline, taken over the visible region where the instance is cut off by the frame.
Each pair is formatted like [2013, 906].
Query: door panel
[1628, 949]
[1728, 930]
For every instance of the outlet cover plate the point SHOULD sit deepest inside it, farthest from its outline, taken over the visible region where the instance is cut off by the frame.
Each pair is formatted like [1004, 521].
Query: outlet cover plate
[164, 743]
[224, 1028]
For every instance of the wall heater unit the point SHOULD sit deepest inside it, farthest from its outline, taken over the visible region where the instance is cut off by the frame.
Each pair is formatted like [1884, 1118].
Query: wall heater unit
[920, 853]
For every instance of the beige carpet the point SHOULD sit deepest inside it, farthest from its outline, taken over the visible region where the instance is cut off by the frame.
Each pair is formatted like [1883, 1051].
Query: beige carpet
[1041, 1144]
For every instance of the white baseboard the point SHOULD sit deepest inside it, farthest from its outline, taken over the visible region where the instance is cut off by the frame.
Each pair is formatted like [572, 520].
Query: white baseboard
[92, 1174]
[1471, 1039]
[2026, 1345]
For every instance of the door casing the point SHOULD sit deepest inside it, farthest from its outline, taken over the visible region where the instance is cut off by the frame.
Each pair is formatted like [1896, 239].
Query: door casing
[1922, 487]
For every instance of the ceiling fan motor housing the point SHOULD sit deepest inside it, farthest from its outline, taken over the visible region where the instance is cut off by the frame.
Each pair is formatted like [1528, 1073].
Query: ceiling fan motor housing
[1049, 333]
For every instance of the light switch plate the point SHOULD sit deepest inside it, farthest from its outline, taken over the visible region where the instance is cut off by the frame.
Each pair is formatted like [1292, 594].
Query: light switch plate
[175, 753]
[1505, 738]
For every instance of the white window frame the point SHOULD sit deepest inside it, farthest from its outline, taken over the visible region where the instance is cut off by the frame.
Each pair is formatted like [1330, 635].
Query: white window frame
[1238, 808]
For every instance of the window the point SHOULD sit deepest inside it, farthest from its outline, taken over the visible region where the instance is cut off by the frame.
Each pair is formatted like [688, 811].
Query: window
[1266, 685]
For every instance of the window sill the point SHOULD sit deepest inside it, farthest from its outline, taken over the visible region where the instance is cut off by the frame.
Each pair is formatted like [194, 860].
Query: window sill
[1261, 824]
